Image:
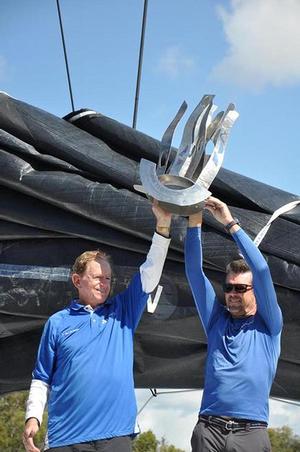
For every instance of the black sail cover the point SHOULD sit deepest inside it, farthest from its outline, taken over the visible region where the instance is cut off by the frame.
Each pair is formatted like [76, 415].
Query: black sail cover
[67, 186]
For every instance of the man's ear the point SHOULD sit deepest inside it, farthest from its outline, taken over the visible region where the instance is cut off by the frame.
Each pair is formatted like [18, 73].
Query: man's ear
[76, 280]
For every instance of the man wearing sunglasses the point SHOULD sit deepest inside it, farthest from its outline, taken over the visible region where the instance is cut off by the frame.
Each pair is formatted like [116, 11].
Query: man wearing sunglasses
[243, 342]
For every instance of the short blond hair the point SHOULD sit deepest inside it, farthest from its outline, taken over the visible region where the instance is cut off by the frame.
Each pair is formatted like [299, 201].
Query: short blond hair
[81, 261]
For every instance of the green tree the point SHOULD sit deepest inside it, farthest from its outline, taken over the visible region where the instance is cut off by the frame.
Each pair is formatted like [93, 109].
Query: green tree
[283, 440]
[12, 409]
[145, 442]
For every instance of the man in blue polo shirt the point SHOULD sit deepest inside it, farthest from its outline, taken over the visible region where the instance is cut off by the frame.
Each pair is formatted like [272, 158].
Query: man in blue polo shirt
[243, 342]
[84, 366]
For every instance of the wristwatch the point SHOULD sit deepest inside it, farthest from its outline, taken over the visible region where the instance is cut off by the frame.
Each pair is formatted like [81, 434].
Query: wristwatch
[232, 223]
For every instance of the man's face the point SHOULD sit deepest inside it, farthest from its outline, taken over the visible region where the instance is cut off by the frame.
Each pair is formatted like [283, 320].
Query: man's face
[94, 284]
[240, 304]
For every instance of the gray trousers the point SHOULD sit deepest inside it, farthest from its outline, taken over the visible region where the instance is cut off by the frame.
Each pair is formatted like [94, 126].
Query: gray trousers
[212, 438]
[117, 444]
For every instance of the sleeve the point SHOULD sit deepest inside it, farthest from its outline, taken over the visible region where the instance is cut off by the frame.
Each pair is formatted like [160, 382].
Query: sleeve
[265, 294]
[42, 373]
[144, 282]
[203, 291]
[46, 357]
[37, 399]
[152, 268]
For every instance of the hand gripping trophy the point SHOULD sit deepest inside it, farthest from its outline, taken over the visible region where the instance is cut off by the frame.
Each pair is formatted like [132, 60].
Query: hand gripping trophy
[181, 184]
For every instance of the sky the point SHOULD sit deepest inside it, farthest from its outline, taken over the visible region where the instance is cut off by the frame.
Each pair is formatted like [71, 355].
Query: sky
[243, 51]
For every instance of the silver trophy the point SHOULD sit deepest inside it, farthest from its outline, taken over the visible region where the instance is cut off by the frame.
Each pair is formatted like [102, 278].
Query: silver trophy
[181, 185]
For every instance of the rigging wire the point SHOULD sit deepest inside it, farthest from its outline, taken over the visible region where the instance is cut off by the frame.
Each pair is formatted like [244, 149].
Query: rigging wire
[289, 402]
[65, 54]
[155, 393]
[141, 53]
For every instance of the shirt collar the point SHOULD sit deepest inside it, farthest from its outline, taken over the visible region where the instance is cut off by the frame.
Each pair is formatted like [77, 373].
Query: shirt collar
[76, 305]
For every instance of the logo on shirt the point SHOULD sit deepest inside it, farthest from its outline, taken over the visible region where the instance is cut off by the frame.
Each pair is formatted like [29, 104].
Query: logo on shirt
[68, 332]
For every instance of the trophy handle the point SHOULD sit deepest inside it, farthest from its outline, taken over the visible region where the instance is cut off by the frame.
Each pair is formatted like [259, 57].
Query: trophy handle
[167, 139]
[220, 139]
[181, 162]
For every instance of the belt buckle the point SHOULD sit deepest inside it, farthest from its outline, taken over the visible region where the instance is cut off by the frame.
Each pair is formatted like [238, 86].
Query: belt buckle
[229, 425]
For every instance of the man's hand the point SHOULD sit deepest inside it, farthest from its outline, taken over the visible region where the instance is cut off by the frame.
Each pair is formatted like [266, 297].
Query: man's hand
[195, 219]
[219, 210]
[30, 430]
[163, 219]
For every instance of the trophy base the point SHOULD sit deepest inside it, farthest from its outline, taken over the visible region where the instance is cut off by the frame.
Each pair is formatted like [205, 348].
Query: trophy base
[176, 183]
[183, 211]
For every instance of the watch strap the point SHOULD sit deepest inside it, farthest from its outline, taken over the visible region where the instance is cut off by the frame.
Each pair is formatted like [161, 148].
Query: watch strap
[232, 223]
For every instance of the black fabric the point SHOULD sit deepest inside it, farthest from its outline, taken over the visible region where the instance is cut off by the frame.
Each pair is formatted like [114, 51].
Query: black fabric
[65, 190]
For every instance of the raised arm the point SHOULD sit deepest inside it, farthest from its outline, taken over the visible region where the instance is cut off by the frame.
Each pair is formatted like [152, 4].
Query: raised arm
[265, 294]
[203, 292]
[145, 281]
[152, 268]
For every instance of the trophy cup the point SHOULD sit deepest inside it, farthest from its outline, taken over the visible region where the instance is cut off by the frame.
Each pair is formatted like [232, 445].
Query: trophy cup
[181, 184]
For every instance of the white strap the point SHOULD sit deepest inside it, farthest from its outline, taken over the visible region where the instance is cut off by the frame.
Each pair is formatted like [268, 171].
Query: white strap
[81, 115]
[277, 213]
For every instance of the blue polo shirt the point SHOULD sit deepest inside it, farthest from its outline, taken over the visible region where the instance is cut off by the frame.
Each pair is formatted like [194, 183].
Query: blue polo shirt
[242, 353]
[87, 360]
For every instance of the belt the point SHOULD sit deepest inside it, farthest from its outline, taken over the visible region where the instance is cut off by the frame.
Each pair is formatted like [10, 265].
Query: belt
[232, 424]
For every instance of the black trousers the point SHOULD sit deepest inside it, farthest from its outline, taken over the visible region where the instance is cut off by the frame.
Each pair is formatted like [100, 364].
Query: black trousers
[117, 444]
[214, 438]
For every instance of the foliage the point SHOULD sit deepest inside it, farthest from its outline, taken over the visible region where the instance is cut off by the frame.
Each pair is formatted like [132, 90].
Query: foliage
[147, 442]
[12, 408]
[283, 439]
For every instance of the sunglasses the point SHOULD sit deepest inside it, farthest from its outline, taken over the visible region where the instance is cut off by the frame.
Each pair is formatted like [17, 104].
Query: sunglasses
[238, 288]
